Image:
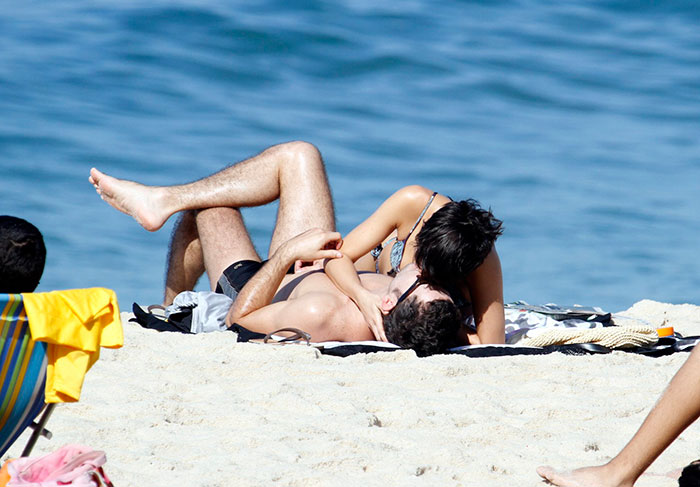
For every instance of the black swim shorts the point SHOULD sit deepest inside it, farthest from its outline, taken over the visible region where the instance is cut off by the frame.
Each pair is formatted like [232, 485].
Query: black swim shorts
[236, 276]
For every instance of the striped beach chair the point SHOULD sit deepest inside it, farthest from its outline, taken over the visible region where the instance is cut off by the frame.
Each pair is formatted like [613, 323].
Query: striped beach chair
[22, 376]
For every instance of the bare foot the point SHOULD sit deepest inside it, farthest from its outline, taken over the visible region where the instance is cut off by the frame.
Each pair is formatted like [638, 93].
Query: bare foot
[582, 477]
[143, 203]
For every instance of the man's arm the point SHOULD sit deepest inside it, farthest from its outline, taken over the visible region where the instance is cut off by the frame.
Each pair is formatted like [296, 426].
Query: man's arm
[261, 288]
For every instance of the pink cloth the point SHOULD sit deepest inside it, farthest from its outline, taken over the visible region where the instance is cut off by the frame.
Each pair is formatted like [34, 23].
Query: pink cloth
[69, 465]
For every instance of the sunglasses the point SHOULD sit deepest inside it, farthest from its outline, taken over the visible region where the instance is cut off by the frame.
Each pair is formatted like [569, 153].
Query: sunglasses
[408, 291]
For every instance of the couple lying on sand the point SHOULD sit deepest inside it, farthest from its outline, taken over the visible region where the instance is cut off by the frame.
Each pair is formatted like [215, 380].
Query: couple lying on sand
[432, 263]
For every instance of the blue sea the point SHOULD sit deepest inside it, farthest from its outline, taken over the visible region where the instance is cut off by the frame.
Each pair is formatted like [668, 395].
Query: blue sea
[577, 123]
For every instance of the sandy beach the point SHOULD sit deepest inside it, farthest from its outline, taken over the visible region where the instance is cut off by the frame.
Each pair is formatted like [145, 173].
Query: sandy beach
[172, 409]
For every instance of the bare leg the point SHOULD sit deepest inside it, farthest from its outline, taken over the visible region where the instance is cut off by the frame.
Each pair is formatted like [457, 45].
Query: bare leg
[678, 407]
[185, 259]
[290, 167]
[224, 240]
[304, 197]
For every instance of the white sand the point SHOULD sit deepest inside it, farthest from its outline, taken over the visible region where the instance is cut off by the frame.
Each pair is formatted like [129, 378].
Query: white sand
[173, 410]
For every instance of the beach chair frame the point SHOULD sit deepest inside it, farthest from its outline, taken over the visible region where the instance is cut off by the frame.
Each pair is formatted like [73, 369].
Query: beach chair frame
[22, 377]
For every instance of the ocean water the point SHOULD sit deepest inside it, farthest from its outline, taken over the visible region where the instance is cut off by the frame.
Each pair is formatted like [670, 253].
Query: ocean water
[577, 122]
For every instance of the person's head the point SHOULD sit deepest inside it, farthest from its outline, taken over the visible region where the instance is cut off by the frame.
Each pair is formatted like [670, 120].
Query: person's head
[22, 255]
[419, 316]
[455, 241]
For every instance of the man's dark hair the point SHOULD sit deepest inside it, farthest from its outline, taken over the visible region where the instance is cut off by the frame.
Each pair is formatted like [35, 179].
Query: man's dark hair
[22, 255]
[455, 241]
[426, 328]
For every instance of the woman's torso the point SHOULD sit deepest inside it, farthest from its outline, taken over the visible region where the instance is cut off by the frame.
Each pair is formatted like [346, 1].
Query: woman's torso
[409, 225]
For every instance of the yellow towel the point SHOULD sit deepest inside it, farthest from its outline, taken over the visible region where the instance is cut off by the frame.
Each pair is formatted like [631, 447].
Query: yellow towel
[75, 324]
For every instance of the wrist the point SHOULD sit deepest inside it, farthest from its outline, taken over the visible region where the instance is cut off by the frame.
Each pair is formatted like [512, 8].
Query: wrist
[357, 293]
[284, 255]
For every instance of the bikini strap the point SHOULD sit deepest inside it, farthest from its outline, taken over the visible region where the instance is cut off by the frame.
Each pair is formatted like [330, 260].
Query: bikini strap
[432, 197]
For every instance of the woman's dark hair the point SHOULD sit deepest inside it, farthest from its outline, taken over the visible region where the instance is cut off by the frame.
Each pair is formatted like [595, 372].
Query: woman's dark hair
[455, 241]
[426, 328]
[22, 255]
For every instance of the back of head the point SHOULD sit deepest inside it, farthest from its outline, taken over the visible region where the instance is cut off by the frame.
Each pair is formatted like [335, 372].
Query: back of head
[455, 241]
[426, 328]
[22, 255]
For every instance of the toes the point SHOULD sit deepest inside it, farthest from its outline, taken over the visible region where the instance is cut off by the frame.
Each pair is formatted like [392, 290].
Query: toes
[547, 473]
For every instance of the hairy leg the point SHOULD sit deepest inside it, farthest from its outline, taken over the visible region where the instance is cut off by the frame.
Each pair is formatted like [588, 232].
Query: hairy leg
[677, 408]
[185, 259]
[296, 166]
[304, 196]
[224, 240]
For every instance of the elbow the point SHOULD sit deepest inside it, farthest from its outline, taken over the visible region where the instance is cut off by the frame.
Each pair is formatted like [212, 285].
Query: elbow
[233, 316]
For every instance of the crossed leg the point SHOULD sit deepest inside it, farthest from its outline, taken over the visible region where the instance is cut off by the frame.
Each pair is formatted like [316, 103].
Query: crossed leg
[220, 248]
[223, 238]
[185, 264]
[288, 167]
[292, 173]
[678, 407]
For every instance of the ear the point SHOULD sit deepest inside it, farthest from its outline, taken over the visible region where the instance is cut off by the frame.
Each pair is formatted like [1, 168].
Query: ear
[387, 304]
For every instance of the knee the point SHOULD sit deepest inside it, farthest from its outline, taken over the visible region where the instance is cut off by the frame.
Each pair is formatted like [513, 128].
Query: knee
[304, 155]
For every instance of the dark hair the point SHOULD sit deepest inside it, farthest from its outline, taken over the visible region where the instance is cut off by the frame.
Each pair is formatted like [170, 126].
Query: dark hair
[426, 328]
[22, 255]
[455, 241]
[690, 476]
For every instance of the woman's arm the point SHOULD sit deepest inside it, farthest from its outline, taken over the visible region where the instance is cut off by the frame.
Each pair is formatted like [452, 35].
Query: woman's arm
[343, 274]
[485, 285]
[401, 208]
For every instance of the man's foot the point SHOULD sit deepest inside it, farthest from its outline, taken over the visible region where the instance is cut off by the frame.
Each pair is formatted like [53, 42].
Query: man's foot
[582, 477]
[143, 203]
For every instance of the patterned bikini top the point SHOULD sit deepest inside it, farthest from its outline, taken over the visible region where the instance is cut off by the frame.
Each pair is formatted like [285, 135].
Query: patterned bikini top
[399, 246]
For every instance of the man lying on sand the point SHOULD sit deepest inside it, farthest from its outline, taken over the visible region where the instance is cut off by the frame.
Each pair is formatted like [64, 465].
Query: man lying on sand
[678, 407]
[265, 297]
[452, 242]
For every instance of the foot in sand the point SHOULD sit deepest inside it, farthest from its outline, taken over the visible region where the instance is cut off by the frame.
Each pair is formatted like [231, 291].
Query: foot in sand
[582, 477]
[143, 203]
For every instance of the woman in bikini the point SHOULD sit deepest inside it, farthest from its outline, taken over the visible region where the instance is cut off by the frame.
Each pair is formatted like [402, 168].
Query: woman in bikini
[451, 242]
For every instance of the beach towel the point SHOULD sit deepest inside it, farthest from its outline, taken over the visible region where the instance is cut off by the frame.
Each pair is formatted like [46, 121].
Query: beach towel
[530, 330]
[523, 318]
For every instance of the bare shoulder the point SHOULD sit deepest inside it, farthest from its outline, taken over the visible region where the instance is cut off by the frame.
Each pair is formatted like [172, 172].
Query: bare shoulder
[412, 200]
[413, 192]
